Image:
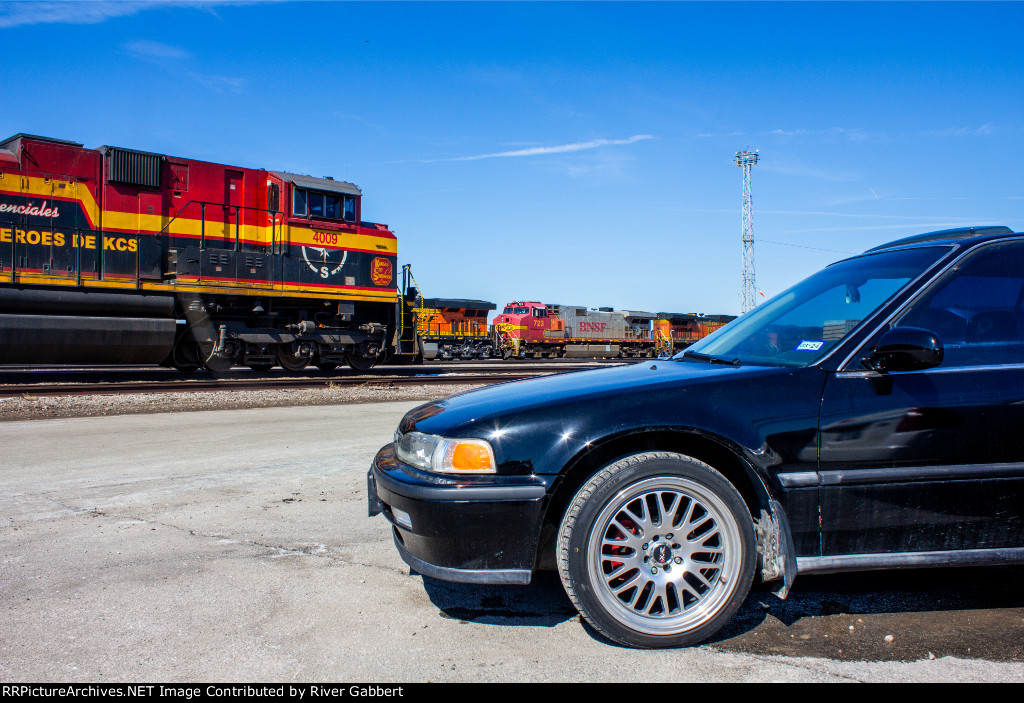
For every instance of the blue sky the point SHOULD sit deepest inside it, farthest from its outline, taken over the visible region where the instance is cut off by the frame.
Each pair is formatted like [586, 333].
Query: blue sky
[577, 153]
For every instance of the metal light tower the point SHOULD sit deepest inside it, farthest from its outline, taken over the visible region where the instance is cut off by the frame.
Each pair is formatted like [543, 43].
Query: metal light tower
[746, 159]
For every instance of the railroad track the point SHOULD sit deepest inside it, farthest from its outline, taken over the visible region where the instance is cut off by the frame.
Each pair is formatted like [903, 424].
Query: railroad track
[246, 381]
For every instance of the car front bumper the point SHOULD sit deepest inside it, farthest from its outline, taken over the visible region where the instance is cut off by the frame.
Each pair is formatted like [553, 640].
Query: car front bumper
[483, 530]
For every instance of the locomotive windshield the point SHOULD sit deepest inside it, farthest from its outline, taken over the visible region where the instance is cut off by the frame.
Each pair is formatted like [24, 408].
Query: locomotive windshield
[800, 325]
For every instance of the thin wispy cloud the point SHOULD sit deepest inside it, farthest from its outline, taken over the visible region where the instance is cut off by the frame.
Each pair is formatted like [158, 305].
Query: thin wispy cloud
[853, 134]
[16, 14]
[219, 83]
[546, 150]
[154, 50]
[181, 62]
[856, 135]
[984, 130]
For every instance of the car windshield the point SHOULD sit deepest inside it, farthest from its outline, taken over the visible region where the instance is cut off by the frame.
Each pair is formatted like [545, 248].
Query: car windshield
[800, 325]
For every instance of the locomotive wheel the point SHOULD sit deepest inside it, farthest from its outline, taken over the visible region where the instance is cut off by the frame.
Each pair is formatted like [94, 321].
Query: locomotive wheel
[290, 361]
[210, 361]
[657, 550]
[183, 355]
[360, 363]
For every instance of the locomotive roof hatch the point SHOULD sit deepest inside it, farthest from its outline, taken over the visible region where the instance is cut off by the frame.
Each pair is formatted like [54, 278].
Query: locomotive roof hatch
[36, 137]
[10, 148]
[458, 304]
[677, 316]
[328, 184]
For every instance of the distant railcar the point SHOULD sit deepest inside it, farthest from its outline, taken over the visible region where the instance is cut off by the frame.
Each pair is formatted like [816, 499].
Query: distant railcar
[454, 329]
[530, 328]
[114, 255]
[676, 330]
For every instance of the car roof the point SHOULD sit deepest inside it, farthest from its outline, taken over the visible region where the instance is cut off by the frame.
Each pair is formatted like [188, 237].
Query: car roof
[958, 234]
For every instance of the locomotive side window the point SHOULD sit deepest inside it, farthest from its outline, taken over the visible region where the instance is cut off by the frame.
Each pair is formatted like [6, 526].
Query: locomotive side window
[316, 204]
[330, 206]
[540, 312]
[273, 197]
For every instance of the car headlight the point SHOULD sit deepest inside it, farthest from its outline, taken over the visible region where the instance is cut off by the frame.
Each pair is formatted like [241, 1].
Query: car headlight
[450, 456]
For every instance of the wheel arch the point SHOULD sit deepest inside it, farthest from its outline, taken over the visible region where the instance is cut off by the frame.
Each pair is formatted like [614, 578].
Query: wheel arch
[774, 543]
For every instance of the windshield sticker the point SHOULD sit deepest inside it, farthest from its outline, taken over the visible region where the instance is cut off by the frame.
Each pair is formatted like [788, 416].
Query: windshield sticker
[809, 345]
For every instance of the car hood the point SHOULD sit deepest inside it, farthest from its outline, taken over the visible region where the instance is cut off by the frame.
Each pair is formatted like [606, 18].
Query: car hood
[612, 384]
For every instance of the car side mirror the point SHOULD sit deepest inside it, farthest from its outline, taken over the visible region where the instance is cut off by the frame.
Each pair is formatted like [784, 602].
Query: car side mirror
[906, 349]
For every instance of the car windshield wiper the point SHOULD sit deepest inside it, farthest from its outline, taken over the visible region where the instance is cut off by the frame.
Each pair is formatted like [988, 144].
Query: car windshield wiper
[711, 359]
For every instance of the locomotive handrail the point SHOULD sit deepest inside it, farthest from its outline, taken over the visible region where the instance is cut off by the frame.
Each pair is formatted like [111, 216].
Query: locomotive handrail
[14, 253]
[274, 214]
[237, 208]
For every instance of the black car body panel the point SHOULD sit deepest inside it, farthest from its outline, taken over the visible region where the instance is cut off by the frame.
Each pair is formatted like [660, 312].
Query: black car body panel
[540, 426]
[848, 466]
[450, 524]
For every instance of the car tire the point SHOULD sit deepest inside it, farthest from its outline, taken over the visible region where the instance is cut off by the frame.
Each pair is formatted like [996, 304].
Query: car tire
[657, 550]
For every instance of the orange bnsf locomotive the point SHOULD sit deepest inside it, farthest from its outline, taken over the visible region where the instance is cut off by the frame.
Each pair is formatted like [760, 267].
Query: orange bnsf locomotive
[114, 255]
[530, 329]
[454, 329]
[527, 329]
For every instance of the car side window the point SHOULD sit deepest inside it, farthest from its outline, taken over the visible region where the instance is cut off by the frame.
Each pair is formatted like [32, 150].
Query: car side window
[977, 309]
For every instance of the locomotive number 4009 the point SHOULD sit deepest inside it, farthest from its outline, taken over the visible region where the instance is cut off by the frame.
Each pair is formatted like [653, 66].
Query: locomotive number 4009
[325, 238]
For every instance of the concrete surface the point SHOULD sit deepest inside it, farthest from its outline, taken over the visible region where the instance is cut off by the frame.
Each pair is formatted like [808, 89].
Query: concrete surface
[234, 546]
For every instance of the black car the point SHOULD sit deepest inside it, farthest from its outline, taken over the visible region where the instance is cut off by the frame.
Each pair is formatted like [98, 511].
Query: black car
[870, 417]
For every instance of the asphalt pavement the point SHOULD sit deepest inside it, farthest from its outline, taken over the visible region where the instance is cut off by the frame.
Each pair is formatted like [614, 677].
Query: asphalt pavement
[234, 545]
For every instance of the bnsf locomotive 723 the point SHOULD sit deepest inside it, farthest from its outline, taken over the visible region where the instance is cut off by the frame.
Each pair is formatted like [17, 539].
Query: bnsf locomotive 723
[457, 329]
[122, 256]
[535, 329]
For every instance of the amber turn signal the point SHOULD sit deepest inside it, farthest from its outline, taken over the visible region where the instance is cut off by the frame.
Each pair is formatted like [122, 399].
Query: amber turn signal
[471, 457]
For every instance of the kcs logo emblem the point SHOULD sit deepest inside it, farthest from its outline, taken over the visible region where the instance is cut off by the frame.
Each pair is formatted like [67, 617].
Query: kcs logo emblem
[380, 271]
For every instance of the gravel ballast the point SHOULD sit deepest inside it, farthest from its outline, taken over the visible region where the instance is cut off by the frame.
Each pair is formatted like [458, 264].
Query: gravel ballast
[32, 407]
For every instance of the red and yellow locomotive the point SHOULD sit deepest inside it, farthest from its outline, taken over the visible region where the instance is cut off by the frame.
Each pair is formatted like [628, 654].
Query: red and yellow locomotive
[122, 256]
[529, 328]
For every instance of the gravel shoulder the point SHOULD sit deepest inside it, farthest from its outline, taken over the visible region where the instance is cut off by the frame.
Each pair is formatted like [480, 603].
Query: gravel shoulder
[33, 407]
